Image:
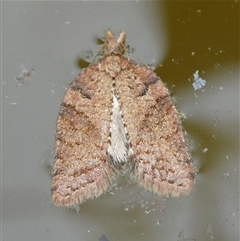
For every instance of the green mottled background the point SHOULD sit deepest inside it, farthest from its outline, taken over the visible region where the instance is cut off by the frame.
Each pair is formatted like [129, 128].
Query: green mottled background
[175, 37]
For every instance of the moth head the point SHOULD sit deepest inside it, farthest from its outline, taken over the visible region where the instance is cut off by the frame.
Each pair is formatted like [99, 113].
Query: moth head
[112, 46]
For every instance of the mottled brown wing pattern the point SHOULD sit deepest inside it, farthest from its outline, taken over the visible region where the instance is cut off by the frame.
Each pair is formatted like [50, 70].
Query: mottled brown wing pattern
[162, 162]
[81, 169]
[117, 116]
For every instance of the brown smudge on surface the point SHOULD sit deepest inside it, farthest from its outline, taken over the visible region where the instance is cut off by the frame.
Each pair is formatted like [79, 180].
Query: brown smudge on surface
[152, 140]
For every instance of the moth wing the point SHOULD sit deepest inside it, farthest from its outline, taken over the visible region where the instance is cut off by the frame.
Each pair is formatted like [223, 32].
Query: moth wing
[81, 168]
[161, 157]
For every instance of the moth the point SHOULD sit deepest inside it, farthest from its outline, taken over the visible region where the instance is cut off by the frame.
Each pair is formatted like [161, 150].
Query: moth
[117, 117]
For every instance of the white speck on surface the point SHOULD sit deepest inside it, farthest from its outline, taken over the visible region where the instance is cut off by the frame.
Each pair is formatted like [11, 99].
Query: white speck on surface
[226, 175]
[158, 222]
[198, 82]
[205, 150]
[217, 65]
[220, 88]
[147, 212]
[210, 232]
[13, 103]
